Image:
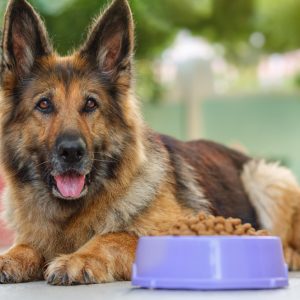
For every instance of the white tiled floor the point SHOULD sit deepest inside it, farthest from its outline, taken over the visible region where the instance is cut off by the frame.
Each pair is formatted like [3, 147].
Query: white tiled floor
[124, 290]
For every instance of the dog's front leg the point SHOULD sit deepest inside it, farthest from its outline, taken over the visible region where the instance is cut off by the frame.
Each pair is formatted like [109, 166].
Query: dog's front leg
[20, 264]
[104, 258]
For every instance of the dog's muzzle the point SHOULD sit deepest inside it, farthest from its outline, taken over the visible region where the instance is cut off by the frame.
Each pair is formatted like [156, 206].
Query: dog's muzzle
[69, 172]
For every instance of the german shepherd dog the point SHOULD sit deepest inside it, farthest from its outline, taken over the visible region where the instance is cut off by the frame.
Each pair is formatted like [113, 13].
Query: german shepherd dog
[85, 177]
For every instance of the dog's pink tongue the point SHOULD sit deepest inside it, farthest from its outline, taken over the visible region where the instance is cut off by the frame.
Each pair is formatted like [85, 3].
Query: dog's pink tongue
[70, 186]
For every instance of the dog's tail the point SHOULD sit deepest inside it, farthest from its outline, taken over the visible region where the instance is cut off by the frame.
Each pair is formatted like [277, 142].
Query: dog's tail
[275, 194]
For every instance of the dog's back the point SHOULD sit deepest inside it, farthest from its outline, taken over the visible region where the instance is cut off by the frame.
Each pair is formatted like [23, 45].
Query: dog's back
[217, 170]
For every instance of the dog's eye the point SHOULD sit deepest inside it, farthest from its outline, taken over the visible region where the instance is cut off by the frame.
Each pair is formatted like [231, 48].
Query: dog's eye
[91, 104]
[44, 105]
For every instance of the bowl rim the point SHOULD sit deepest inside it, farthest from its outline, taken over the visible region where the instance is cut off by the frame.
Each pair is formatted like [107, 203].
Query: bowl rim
[210, 237]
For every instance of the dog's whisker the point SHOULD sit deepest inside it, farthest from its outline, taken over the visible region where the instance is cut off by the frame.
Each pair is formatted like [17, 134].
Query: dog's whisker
[111, 157]
[96, 169]
[102, 160]
[45, 162]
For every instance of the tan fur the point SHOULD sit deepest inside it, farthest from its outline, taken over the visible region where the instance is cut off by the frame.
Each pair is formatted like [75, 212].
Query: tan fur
[21, 263]
[163, 213]
[275, 194]
[104, 258]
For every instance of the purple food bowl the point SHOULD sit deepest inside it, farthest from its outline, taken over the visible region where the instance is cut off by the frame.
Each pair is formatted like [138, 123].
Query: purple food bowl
[210, 263]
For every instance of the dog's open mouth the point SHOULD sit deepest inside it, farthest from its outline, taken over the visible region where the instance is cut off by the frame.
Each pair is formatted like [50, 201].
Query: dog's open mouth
[70, 185]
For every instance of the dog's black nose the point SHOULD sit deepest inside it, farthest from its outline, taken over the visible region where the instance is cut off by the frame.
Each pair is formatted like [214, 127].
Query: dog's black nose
[70, 149]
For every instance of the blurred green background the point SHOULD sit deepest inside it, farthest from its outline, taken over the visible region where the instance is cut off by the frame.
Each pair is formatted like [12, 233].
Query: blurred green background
[226, 70]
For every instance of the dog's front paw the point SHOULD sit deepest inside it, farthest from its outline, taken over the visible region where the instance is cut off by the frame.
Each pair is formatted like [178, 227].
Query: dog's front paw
[11, 270]
[75, 269]
[20, 264]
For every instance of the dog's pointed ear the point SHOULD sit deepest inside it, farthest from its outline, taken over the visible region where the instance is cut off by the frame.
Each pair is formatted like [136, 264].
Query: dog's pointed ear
[110, 42]
[24, 38]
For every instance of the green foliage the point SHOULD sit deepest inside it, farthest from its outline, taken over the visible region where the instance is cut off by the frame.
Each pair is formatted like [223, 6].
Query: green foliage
[279, 21]
[157, 21]
[297, 80]
[69, 27]
[148, 87]
[2, 8]
[229, 22]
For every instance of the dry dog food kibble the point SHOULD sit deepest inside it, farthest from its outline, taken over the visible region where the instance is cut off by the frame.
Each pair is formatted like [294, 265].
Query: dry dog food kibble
[210, 225]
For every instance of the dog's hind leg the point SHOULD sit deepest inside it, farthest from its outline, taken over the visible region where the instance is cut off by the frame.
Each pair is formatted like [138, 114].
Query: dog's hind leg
[292, 251]
[275, 194]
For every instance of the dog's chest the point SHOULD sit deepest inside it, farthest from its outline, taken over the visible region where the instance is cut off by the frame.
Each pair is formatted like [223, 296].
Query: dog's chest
[57, 242]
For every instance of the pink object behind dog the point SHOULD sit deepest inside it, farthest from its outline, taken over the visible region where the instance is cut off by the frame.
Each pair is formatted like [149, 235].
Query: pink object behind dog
[6, 236]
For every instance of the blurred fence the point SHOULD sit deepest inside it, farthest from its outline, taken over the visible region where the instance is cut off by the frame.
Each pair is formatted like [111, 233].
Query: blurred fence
[266, 126]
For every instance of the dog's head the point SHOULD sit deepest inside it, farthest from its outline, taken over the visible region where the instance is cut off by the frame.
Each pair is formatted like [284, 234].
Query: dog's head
[66, 121]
